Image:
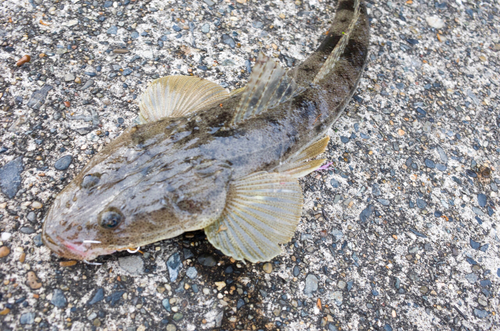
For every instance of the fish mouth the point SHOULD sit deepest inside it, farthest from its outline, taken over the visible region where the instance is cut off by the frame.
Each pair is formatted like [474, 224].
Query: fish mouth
[84, 250]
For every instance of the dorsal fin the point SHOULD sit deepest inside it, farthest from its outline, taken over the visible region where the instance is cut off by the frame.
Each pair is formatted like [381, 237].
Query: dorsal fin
[340, 47]
[268, 86]
[175, 96]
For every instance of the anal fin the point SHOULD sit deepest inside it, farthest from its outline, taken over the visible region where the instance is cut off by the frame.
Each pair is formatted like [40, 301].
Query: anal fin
[300, 164]
[262, 211]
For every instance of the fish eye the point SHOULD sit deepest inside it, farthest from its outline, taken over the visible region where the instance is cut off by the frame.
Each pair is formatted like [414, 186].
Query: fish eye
[90, 180]
[110, 218]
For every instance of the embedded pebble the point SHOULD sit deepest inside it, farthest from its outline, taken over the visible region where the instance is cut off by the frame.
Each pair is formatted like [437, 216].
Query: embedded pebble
[27, 230]
[10, 177]
[58, 298]
[166, 304]
[98, 296]
[207, 260]
[435, 22]
[226, 39]
[87, 84]
[480, 313]
[472, 277]
[112, 30]
[191, 272]
[27, 318]
[267, 267]
[133, 264]
[174, 266]
[311, 285]
[31, 217]
[32, 281]
[69, 77]
[366, 213]
[37, 99]
[114, 298]
[63, 163]
[36, 205]
[38, 240]
[421, 204]
[178, 316]
[205, 28]
[4, 251]
[481, 200]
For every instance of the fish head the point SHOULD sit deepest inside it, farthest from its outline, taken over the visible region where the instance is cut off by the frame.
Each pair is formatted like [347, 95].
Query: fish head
[115, 204]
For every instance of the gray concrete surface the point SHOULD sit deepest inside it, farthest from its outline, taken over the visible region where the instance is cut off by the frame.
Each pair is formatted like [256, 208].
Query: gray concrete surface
[400, 233]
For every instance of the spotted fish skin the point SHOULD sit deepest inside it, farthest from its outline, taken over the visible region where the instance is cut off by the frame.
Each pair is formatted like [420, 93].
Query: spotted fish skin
[225, 163]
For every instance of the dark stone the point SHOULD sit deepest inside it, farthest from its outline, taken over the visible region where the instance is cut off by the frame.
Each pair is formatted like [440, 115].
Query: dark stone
[474, 244]
[174, 266]
[64, 162]
[480, 313]
[58, 298]
[207, 260]
[114, 298]
[481, 199]
[27, 230]
[421, 204]
[98, 296]
[166, 304]
[27, 318]
[429, 163]
[226, 39]
[112, 30]
[38, 97]
[31, 216]
[366, 213]
[38, 240]
[10, 177]
[334, 183]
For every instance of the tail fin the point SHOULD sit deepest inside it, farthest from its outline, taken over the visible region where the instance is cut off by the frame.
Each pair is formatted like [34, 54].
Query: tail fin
[340, 47]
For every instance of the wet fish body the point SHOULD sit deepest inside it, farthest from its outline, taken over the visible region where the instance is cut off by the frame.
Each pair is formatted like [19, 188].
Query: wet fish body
[205, 159]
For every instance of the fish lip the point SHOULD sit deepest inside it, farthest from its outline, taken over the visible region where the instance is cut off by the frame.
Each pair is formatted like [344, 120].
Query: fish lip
[74, 251]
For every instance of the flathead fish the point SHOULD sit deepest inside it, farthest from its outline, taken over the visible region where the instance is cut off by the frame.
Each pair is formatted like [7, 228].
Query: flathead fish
[202, 158]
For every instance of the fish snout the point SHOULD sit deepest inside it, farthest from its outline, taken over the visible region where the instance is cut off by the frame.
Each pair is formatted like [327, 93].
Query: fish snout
[82, 250]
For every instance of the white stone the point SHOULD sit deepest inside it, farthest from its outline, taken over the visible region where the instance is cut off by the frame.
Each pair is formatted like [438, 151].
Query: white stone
[435, 22]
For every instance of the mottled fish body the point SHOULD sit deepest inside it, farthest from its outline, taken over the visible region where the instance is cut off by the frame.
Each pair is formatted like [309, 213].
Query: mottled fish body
[205, 159]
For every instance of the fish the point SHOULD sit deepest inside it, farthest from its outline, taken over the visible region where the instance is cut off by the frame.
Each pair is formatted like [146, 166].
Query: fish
[202, 158]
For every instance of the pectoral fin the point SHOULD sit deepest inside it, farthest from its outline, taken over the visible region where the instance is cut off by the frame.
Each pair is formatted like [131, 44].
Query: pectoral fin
[262, 211]
[267, 87]
[175, 96]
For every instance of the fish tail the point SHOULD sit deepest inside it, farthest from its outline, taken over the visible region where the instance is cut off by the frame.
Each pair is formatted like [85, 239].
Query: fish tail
[350, 17]
[350, 6]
